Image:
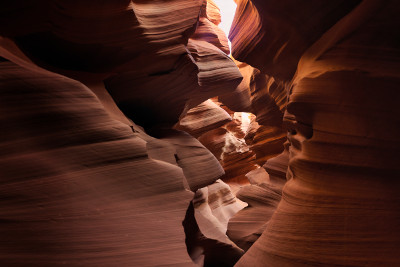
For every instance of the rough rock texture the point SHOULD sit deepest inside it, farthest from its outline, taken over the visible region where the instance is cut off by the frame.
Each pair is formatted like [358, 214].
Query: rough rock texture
[341, 206]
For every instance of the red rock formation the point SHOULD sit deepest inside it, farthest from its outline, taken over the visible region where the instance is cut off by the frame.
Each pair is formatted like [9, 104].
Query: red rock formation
[266, 98]
[213, 12]
[222, 135]
[91, 172]
[247, 226]
[199, 166]
[240, 144]
[341, 205]
[78, 39]
[266, 34]
[77, 186]
[240, 150]
[203, 71]
[81, 183]
[203, 118]
[213, 206]
[263, 196]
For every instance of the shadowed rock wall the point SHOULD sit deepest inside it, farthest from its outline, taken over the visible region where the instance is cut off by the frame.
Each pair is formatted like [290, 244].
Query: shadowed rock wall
[81, 182]
[341, 204]
[94, 173]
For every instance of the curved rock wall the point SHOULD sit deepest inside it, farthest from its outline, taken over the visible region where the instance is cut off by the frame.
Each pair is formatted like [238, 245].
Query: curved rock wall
[81, 182]
[78, 187]
[272, 35]
[341, 205]
[94, 173]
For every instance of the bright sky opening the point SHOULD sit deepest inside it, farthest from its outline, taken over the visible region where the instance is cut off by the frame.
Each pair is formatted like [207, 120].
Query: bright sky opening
[227, 8]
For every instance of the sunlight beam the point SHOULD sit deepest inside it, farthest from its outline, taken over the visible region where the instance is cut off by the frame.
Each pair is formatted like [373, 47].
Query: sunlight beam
[227, 9]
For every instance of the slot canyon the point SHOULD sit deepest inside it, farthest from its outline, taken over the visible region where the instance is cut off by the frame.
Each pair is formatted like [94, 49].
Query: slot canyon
[139, 133]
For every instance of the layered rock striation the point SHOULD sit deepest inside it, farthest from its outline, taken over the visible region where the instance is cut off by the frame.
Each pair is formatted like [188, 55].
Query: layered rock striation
[81, 181]
[78, 187]
[341, 205]
[119, 117]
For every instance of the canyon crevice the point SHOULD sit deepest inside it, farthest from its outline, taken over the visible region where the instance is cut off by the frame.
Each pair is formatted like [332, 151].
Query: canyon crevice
[131, 137]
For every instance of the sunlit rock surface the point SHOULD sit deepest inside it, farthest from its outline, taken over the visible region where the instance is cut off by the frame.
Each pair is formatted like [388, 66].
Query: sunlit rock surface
[212, 208]
[248, 140]
[266, 98]
[225, 138]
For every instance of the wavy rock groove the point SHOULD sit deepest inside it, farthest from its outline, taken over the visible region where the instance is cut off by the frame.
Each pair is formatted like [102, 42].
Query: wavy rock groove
[133, 134]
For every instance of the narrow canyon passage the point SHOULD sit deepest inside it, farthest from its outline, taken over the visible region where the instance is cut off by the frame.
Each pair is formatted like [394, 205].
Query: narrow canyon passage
[199, 133]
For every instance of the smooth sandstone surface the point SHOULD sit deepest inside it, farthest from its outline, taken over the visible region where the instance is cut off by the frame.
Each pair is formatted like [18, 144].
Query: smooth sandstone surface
[118, 118]
[77, 186]
[82, 184]
[341, 205]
